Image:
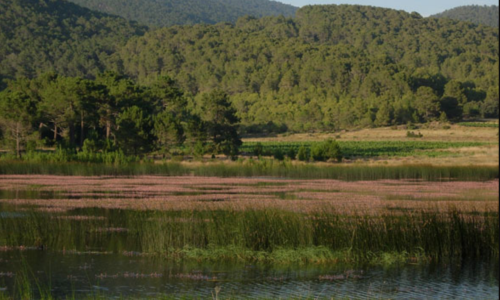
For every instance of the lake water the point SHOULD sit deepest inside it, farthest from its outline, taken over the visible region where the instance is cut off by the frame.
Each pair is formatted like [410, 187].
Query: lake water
[114, 275]
[95, 217]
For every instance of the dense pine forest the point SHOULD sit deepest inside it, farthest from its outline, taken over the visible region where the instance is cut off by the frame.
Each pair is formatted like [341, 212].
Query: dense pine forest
[188, 12]
[71, 74]
[330, 67]
[486, 15]
[53, 35]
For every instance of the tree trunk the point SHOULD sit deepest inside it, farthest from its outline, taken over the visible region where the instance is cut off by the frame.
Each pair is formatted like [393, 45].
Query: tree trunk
[72, 134]
[108, 128]
[82, 124]
[72, 127]
[18, 150]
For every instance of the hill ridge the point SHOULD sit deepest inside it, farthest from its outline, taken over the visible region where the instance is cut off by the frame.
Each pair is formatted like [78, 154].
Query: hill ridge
[477, 14]
[163, 13]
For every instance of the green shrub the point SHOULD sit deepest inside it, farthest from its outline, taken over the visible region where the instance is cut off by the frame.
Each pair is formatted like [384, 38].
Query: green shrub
[278, 154]
[258, 149]
[412, 134]
[291, 153]
[329, 149]
[89, 146]
[199, 149]
[303, 155]
[31, 146]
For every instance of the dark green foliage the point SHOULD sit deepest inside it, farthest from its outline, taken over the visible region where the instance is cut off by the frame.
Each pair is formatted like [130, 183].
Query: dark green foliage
[162, 13]
[332, 67]
[168, 130]
[326, 150]
[199, 149]
[107, 114]
[371, 149]
[133, 134]
[291, 153]
[221, 121]
[478, 124]
[17, 113]
[477, 14]
[427, 103]
[412, 134]
[303, 153]
[258, 150]
[195, 130]
[278, 154]
[43, 35]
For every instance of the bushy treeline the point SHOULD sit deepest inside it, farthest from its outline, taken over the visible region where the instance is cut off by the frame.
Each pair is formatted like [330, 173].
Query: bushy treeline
[477, 14]
[112, 115]
[187, 12]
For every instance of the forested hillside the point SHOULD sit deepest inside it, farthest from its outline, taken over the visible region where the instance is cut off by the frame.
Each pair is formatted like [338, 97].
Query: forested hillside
[486, 15]
[330, 67]
[41, 35]
[163, 13]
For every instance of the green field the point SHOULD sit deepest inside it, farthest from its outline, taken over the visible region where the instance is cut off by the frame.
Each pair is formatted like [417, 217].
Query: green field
[367, 149]
[478, 124]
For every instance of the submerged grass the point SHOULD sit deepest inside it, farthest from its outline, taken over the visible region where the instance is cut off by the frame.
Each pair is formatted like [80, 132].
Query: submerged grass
[258, 168]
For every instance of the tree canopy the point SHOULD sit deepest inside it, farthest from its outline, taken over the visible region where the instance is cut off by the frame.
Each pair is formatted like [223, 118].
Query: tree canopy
[331, 67]
[163, 13]
[37, 36]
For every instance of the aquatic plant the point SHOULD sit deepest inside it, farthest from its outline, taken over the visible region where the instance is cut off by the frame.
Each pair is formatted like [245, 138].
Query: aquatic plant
[263, 167]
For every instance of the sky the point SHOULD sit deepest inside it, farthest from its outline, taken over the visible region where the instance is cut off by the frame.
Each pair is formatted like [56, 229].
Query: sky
[423, 7]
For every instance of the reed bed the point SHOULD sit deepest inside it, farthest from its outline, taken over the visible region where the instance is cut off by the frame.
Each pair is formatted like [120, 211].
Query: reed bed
[252, 219]
[268, 235]
[258, 168]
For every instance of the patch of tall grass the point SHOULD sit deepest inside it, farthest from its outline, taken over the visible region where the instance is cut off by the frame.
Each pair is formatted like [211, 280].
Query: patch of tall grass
[267, 235]
[258, 168]
[62, 155]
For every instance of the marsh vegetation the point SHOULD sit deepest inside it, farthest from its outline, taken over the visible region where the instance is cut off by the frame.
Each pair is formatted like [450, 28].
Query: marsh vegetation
[258, 221]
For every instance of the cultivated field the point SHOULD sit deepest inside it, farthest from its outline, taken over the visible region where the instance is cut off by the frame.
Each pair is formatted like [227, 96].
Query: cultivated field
[460, 145]
[435, 132]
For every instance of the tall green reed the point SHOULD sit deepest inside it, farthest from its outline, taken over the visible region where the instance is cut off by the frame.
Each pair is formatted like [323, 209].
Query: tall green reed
[250, 234]
[258, 168]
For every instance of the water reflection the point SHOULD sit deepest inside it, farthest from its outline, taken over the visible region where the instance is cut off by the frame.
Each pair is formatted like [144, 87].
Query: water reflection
[115, 275]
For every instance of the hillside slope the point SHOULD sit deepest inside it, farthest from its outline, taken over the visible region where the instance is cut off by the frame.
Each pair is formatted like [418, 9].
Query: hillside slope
[163, 13]
[42, 35]
[330, 67]
[486, 15]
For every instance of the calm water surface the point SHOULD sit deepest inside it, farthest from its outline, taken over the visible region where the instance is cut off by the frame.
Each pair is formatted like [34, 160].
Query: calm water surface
[115, 275]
